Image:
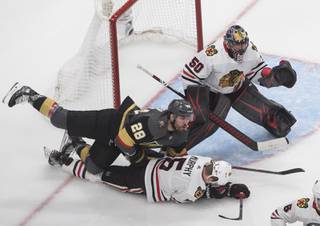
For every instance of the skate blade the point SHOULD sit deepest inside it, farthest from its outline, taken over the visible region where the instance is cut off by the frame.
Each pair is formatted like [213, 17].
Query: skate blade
[9, 94]
[47, 151]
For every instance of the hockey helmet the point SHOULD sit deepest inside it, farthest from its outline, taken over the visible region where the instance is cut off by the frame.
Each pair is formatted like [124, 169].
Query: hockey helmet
[316, 193]
[237, 41]
[180, 107]
[221, 172]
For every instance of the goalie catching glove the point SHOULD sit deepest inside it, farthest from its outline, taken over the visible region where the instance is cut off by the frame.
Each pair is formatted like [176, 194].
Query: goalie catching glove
[283, 74]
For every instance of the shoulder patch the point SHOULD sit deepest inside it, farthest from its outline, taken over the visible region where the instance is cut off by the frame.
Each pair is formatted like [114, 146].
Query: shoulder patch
[199, 193]
[303, 203]
[211, 50]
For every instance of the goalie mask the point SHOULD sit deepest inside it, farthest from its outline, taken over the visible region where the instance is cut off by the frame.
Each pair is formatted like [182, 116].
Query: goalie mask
[236, 42]
[220, 172]
[316, 193]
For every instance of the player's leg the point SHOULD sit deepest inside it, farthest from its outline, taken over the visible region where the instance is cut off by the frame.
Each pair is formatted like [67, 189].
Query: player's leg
[90, 124]
[125, 178]
[267, 113]
[96, 157]
[204, 102]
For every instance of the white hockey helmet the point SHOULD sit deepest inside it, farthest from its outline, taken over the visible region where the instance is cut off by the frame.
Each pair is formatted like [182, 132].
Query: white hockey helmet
[316, 193]
[221, 172]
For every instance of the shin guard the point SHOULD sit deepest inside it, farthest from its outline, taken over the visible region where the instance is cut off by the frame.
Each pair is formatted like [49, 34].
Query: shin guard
[267, 113]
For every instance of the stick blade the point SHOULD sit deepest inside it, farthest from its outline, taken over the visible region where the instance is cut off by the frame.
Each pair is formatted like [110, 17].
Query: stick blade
[290, 171]
[230, 218]
[272, 144]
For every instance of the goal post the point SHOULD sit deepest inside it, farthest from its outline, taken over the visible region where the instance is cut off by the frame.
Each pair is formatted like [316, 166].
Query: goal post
[91, 78]
[114, 40]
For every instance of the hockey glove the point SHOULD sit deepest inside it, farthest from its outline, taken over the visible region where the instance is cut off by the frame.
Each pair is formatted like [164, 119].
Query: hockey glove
[142, 157]
[236, 189]
[217, 192]
[283, 74]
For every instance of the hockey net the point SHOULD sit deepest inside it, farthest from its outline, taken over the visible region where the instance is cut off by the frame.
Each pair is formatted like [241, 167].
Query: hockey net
[90, 80]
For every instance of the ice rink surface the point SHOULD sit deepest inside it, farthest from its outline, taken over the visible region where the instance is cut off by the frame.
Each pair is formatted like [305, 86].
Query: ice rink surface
[37, 37]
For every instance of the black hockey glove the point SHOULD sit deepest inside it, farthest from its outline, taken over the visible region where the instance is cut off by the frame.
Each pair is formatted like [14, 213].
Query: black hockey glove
[236, 189]
[283, 74]
[217, 192]
[142, 157]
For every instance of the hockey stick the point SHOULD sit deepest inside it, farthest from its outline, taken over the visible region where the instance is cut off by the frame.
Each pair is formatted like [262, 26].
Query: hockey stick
[254, 145]
[284, 172]
[240, 210]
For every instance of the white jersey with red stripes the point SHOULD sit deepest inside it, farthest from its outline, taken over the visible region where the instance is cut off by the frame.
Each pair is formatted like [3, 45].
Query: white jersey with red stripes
[179, 178]
[302, 210]
[215, 68]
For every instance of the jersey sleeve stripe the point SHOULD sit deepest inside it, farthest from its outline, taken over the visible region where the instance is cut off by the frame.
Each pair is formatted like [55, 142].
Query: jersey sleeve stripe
[152, 184]
[185, 78]
[124, 188]
[188, 74]
[157, 184]
[275, 215]
[261, 63]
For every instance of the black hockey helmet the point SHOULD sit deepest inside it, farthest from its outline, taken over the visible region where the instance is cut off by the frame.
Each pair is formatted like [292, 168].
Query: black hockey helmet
[180, 107]
[237, 41]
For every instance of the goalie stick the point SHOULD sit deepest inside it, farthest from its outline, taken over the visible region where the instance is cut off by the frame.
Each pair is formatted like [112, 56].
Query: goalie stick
[284, 172]
[240, 209]
[252, 144]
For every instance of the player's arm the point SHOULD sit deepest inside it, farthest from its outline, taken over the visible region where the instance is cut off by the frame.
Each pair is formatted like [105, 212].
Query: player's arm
[261, 74]
[133, 132]
[280, 75]
[196, 69]
[228, 190]
[184, 197]
[177, 151]
[283, 215]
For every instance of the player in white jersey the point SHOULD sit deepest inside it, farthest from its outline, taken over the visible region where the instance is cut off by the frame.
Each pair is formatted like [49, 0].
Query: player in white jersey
[306, 210]
[221, 75]
[180, 179]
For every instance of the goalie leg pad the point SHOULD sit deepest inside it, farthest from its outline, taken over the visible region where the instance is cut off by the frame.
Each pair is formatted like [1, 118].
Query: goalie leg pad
[219, 105]
[198, 96]
[267, 113]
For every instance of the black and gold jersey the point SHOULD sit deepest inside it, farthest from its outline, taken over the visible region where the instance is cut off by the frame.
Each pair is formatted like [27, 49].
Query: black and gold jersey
[148, 129]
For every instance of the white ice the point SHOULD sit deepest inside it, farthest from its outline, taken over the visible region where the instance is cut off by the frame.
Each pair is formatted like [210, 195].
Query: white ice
[37, 37]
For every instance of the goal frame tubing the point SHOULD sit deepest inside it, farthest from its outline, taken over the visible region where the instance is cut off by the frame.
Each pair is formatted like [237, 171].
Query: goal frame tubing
[114, 44]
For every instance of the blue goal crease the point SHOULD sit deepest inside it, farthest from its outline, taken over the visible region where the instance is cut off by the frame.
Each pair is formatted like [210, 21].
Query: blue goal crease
[302, 100]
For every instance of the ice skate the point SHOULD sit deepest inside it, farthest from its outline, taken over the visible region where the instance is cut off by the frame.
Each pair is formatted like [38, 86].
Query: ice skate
[19, 94]
[72, 144]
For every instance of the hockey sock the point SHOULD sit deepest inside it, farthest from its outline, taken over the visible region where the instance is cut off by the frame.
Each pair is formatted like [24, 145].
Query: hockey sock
[83, 152]
[45, 105]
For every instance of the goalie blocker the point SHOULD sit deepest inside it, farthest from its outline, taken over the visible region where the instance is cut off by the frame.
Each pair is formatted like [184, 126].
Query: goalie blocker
[248, 101]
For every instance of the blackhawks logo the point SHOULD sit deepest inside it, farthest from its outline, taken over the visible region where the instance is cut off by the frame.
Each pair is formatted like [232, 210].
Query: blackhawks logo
[233, 78]
[199, 193]
[211, 50]
[303, 203]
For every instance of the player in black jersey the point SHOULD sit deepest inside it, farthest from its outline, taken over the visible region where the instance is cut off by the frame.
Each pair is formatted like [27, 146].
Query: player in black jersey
[128, 130]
